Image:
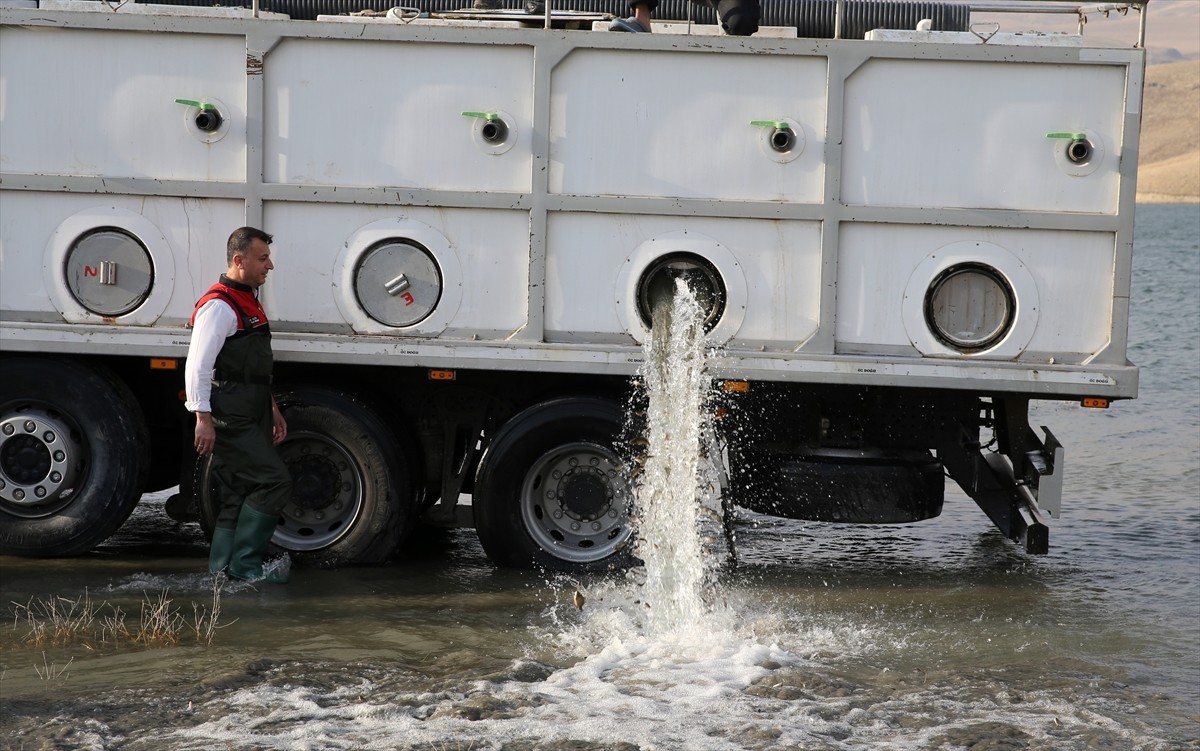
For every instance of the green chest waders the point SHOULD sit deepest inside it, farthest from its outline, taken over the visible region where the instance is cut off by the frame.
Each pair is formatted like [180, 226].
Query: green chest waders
[252, 482]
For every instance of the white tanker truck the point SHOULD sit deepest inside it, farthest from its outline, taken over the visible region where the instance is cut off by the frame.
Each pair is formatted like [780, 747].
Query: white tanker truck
[906, 224]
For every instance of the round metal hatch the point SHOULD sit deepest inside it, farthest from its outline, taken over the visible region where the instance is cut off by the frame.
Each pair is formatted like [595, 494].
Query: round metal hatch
[398, 282]
[109, 272]
[969, 306]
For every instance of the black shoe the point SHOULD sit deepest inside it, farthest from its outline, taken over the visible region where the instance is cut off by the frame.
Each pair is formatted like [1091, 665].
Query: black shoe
[628, 24]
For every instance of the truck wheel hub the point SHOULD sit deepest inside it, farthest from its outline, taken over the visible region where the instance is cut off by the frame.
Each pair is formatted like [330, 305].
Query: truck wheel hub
[574, 501]
[314, 483]
[26, 459]
[39, 462]
[584, 493]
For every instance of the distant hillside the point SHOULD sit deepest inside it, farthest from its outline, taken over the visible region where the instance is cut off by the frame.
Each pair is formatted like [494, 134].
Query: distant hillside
[1169, 171]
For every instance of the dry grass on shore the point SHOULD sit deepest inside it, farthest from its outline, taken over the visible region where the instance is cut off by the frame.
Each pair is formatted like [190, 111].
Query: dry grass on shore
[57, 621]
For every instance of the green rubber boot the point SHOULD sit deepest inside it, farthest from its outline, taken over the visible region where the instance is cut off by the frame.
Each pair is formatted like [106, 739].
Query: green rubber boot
[221, 550]
[250, 540]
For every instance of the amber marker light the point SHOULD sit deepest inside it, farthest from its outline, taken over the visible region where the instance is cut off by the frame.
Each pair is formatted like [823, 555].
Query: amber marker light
[163, 363]
[441, 375]
[738, 386]
[1095, 402]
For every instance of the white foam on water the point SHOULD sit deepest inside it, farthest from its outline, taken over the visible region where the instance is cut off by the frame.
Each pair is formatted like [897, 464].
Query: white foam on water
[667, 691]
[144, 582]
[748, 674]
[664, 694]
[199, 580]
[279, 566]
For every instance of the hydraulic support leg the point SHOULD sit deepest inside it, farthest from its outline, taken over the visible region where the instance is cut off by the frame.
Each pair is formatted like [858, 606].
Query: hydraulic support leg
[1016, 485]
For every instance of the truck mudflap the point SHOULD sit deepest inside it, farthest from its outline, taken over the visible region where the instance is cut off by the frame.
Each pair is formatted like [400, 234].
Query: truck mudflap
[1017, 486]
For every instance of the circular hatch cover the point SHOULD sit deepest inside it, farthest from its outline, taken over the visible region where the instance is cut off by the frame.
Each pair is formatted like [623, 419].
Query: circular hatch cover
[398, 282]
[109, 272]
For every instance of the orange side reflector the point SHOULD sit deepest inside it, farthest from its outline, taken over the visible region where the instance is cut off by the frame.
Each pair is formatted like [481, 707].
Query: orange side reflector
[740, 386]
[163, 363]
[182, 395]
[1095, 402]
[441, 375]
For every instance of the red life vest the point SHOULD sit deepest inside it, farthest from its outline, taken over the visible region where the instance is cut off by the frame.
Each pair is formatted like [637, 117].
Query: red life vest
[252, 319]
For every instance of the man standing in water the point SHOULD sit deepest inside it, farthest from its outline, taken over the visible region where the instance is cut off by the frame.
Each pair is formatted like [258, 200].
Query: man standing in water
[228, 382]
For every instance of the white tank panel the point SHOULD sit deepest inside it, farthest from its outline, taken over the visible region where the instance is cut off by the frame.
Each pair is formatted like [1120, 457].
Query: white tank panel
[1066, 276]
[489, 247]
[408, 128]
[121, 118]
[185, 237]
[646, 123]
[974, 135]
[774, 284]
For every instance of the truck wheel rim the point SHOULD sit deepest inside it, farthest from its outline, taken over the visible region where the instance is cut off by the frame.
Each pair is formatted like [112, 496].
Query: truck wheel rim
[327, 492]
[575, 502]
[40, 460]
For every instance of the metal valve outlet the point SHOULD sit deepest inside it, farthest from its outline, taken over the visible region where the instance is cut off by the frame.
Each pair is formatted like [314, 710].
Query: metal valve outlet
[782, 139]
[658, 283]
[1079, 147]
[1079, 151]
[208, 120]
[493, 129]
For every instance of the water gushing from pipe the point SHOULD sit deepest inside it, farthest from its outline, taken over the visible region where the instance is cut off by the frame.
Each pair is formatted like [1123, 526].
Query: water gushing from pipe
[676, 475]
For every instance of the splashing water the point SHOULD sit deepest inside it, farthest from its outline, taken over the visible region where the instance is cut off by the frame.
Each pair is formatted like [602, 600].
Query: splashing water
[675, 477]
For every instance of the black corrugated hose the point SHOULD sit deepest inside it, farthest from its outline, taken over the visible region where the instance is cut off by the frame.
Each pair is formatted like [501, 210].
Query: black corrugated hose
[811, 18]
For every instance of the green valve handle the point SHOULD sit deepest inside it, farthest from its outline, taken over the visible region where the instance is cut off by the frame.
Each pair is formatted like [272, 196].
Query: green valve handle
[202, 106]
[209, 118]
[1072, 136]
[494, 130]
[781, 138]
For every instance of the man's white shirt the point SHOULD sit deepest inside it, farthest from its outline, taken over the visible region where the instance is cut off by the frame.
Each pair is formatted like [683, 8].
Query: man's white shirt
[215, 322]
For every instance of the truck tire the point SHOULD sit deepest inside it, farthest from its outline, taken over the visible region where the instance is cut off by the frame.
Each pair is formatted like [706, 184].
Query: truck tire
[353, 494]
[553, 493]
[74, 451]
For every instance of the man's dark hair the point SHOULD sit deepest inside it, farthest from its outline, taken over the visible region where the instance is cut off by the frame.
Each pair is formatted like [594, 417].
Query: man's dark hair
[241, 239]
